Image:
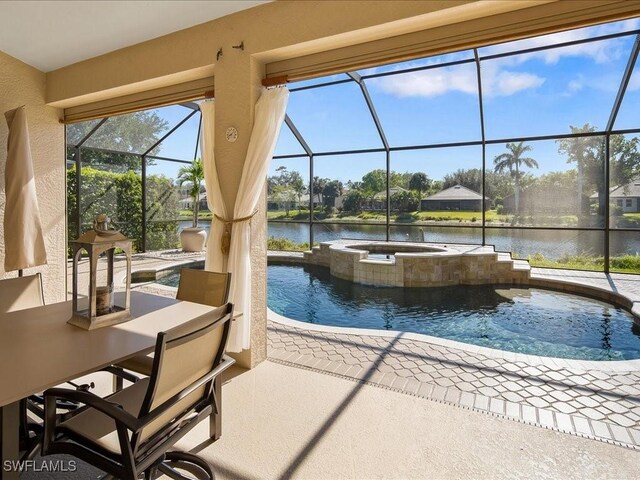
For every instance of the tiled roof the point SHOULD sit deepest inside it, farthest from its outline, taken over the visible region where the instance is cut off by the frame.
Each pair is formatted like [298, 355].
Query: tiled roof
[457, 192]
[631, 189]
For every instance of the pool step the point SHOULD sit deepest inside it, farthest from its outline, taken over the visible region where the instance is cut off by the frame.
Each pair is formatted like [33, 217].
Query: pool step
[521, 268]
[504, 257]
[521, 265]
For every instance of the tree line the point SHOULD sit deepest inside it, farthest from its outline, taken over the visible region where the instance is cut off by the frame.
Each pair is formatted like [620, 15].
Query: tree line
[510, 175]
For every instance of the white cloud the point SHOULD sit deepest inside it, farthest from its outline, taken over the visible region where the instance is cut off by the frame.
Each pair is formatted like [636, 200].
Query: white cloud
[500, 76]
[600, 52]
[431, 83]
[575, 86]
[634, 83]
[506, 83]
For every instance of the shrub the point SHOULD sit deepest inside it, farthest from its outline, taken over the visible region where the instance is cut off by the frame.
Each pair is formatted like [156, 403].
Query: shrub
[280, 243]
[615, 210]
[330, 210]
[626, 262]
[119, 195]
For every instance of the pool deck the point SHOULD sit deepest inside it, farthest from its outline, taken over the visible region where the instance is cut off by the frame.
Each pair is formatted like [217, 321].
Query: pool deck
[597, 400]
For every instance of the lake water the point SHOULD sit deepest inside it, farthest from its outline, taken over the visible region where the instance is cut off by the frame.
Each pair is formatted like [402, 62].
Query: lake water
[552, 244]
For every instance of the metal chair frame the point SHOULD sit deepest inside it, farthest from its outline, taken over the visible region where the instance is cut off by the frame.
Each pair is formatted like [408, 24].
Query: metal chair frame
[142, 455]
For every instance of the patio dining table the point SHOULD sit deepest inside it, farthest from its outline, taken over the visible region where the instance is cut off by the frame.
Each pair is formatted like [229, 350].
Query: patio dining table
[39, 349]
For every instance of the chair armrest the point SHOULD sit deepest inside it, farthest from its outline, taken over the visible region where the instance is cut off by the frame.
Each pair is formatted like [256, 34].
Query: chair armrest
[111, 409]
[225, 363]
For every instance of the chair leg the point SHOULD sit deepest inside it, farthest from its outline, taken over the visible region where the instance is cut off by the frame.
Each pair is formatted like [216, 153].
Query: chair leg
[118, 383]
[151, 473]
[188, 462]
[29, 444]
[24, 425]
[215, 419]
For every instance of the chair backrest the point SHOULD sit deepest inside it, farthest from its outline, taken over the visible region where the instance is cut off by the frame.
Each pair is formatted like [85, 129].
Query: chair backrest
[183, 356]
[21, 293]
[207, 288]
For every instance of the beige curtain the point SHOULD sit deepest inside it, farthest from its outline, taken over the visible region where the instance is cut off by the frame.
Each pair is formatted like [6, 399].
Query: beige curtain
[215, 261]
[24, 242]
[269, 115]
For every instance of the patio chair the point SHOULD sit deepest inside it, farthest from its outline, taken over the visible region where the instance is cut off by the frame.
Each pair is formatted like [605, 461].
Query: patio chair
[198, 286]
[131, 431]
[21, 293]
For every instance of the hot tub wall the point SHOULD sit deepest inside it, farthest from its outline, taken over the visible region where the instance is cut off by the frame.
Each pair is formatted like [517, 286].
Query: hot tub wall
[417, 269]
[467, 269]
[342, 263]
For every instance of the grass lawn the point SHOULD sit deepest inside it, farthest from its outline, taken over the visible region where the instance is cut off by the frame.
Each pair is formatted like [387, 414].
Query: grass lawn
[188, 215]
[621, 264]
[405, 217]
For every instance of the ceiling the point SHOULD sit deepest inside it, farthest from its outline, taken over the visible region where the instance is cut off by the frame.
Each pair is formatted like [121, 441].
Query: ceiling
[52, 34]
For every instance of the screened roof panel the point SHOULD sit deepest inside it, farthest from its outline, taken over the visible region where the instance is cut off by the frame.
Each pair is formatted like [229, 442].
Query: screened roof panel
[77, 131]
[428, 107]
[629, 113]
[422, 62]
[562, 37]
[181, 144]
[136, 132]
[333, 118]
[287, 143]
[550, 91]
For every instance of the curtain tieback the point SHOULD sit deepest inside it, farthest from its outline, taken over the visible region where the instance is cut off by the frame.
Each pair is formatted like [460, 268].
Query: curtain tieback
[226, 232]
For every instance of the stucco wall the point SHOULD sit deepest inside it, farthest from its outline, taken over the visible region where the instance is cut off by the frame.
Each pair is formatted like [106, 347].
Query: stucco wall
[21, 84]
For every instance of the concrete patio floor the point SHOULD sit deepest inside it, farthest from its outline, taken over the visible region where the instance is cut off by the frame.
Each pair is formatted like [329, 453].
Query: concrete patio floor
[285, 422]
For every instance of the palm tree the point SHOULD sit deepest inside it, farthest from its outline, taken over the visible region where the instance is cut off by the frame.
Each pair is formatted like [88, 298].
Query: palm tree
[193, 175]
[511, 162]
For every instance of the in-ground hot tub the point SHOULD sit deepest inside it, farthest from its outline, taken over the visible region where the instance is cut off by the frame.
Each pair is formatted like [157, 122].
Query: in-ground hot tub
[388, 250]
[395, 264]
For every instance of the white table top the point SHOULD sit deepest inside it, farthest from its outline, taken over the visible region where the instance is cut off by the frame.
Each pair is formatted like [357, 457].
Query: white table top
[38, 349]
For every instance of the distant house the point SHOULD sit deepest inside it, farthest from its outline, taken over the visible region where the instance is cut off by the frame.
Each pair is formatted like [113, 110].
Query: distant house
[627, 197]
[187, 203]
[457, 198]
[547, 200]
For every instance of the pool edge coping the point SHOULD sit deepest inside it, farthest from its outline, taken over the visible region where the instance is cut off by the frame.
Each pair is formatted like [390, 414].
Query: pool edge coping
[553, 362]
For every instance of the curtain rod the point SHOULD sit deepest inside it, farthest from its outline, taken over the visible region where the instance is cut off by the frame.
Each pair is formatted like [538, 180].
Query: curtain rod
[275, 81]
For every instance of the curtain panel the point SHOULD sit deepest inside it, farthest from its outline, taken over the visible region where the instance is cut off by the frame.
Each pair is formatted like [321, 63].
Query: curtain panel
[269, 115]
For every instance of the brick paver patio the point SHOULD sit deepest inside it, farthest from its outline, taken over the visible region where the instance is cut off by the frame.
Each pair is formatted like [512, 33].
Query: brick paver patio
[588, 402]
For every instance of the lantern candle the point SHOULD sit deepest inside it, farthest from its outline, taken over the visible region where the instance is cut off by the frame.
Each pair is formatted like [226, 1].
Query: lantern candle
[104, 299]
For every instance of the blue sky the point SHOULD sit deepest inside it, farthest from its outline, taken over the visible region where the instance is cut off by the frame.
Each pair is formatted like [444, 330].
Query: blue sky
[540, 93]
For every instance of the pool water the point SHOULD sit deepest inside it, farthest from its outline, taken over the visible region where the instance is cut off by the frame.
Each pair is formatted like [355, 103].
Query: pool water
[526, 320]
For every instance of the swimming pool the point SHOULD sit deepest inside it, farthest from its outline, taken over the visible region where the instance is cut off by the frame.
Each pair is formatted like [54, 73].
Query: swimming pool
[525, 320]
